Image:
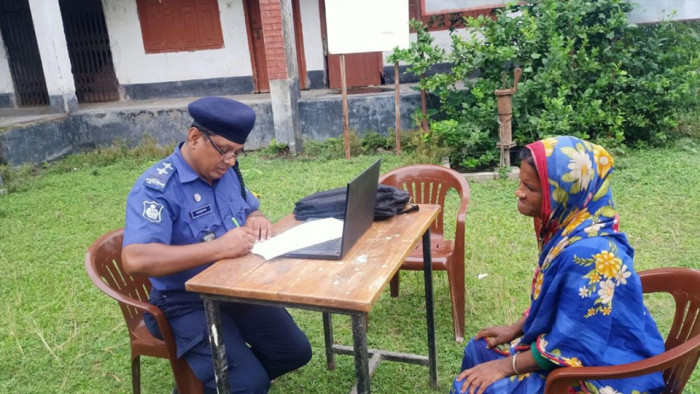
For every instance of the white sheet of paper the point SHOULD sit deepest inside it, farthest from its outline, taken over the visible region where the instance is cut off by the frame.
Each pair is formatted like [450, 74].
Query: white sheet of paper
[306, 234]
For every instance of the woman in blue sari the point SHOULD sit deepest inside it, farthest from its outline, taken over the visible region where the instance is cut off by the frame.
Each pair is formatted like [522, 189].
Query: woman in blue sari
[586, 306]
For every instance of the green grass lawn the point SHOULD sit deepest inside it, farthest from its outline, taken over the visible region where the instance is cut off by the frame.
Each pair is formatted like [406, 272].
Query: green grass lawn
[62, 335]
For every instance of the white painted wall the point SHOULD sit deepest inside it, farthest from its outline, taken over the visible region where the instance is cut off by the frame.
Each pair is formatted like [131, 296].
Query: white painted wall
[647, 11]
[132, 65]
[311, 29]
[6, 85]
[51, 40]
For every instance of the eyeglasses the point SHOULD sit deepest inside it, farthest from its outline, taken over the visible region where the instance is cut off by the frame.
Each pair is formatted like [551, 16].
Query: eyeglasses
[228, 155]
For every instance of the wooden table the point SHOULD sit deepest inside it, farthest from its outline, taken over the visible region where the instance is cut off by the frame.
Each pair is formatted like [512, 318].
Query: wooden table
[348, 286]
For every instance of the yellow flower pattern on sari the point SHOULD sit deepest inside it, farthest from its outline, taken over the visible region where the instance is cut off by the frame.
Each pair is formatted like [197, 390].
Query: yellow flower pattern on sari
[549, 144]
[574, 220]
[603, 160]
[538, 286]
[604, 277]
[607, 264]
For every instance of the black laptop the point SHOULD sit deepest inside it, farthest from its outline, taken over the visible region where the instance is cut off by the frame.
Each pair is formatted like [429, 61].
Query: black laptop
[360, 199]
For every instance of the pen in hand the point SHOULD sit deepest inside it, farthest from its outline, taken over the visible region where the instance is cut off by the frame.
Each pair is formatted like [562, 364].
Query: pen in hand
[235, 222]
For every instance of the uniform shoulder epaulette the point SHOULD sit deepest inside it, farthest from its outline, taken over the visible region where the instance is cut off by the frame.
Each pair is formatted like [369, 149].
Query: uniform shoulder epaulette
[159, 175]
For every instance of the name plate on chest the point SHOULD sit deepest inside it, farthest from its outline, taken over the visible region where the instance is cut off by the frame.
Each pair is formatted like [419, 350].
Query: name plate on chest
[200, 211]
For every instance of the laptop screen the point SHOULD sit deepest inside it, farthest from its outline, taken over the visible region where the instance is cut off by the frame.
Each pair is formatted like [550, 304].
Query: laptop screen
[359, 205]
[360, 199]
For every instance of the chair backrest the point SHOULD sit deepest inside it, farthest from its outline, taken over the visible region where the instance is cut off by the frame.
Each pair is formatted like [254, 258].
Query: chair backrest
[429, 184]
[103, 263]
[684, 285]
[682, 343]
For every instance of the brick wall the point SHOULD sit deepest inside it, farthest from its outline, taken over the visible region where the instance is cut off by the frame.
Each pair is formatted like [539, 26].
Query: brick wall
[274, 42]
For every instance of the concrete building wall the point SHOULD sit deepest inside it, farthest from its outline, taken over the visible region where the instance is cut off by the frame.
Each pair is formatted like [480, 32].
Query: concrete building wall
[51, 40]
[320, 119]
[311, 28]
[649, 11]
[134, 66]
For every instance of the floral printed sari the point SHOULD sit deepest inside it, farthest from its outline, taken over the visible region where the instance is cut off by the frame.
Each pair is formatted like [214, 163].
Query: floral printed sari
[586, 299]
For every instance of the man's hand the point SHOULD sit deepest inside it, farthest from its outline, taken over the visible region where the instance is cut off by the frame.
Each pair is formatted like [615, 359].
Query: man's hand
[238, 241]
[262, 228]
[497, 335]
[481, 376]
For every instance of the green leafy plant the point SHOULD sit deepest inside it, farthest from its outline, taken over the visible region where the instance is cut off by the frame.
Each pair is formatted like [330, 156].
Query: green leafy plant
[275, 149]
[587, 71]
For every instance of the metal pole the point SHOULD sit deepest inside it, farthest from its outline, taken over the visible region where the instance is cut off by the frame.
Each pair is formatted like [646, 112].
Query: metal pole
[429, 308]
[328, 337]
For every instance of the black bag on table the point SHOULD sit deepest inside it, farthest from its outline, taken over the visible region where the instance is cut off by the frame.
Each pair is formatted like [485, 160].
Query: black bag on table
[331, 203]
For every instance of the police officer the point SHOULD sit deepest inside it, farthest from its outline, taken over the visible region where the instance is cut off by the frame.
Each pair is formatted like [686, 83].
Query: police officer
[192, 209]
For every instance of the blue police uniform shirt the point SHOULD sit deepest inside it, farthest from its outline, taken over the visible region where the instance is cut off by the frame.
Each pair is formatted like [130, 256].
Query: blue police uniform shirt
[170, 204]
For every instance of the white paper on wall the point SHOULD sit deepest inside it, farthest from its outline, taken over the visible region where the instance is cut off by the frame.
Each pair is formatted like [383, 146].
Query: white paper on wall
[356, 26]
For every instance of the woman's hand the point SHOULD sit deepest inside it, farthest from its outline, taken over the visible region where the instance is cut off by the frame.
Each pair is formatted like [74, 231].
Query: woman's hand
[481, 376]
[497, 335]
[262, 228]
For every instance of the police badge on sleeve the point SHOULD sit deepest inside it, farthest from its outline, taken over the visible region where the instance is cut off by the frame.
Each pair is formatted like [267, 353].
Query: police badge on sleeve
[152, 210]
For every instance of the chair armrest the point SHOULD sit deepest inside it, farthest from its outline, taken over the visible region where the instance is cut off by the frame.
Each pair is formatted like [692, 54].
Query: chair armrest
[459, 228]
[158, 314]
[560, 379]
[165, 331]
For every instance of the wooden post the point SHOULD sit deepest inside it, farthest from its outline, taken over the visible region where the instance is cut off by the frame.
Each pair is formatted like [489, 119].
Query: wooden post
[397, 101]
[424, 107]
[346, 123]
[505, 115]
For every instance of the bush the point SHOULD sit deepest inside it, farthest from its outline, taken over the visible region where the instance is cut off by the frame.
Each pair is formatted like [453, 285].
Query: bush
[587, 71]
[333, 148]
[275, 149]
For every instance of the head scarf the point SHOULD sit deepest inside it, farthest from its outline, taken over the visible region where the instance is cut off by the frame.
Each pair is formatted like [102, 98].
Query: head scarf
[586, 300]
[575, 179]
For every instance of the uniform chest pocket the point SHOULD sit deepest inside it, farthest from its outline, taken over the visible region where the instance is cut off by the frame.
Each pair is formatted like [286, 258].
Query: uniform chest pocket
[204, 226]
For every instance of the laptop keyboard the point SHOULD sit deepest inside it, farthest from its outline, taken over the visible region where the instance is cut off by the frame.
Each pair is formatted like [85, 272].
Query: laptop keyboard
[328, 247]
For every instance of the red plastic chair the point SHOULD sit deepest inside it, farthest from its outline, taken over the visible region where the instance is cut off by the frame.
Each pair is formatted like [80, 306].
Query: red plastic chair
[429, 184]
[103, 262]
[682, 343]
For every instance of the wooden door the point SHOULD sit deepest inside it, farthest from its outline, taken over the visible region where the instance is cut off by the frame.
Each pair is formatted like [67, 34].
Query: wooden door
[361, 69]
[256, 42]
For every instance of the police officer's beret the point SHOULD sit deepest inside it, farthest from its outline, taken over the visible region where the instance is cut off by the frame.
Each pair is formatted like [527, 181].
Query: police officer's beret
[228, 118]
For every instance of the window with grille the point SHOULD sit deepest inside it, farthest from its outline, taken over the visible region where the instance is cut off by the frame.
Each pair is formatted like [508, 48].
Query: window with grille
[179, 25]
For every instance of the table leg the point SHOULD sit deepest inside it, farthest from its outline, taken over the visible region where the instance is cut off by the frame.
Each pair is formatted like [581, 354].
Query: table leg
[359, 337]
[328, 336]
[429, 307]
[218, 350]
